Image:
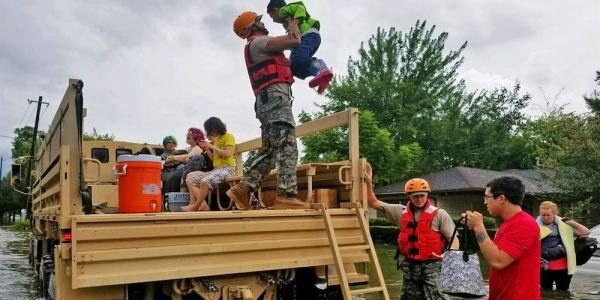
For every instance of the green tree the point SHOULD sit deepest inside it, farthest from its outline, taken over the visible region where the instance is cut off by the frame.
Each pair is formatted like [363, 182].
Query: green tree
[375, 145]
[22, 141]
[11, 202]
[593, 100]
[409, 82]
[95, 136]
[479, 130]
[402, 78]
[575, 155]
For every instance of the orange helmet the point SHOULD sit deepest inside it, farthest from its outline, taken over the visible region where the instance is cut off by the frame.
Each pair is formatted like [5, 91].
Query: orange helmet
[242, 23]
[416, 185]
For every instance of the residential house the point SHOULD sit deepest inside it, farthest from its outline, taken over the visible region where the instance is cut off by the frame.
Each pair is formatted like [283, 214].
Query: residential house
[461, 188]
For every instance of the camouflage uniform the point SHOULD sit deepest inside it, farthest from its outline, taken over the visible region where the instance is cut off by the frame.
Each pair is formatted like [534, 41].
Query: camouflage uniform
[421, 280]
[274, 111]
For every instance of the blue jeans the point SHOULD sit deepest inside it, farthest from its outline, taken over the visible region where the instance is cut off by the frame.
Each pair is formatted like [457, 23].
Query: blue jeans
[302, 55]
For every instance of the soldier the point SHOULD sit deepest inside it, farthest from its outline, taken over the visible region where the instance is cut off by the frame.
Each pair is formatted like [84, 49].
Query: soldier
[425, 230]
[271, 78]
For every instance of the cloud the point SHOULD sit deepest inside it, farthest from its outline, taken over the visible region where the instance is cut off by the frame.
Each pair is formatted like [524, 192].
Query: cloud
[153, 68]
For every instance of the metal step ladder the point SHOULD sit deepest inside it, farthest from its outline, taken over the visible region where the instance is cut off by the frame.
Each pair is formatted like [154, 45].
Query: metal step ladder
[368, 246]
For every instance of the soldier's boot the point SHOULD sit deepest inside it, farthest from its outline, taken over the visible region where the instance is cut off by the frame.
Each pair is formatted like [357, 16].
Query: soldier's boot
[282, 202]
[322, 75]
[240, 195]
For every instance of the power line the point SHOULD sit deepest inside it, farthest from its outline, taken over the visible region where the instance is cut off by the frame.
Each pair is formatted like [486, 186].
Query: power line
[44, 112]
[23, 118]
[30, 117]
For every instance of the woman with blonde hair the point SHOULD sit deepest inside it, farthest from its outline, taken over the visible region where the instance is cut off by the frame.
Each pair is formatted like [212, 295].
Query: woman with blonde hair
[558, 248]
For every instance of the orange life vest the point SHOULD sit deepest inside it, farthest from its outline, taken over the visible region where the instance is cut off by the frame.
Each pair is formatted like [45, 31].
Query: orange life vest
[274, 69]
[417, 241]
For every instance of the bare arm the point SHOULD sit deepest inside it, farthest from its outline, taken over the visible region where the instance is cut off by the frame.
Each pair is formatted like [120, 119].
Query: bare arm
[495, 257]
[578, 229]
[371, 198]
[284, 42]
[186, 157]
[224, 153]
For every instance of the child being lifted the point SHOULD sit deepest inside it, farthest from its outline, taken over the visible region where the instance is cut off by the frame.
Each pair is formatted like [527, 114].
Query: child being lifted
[298, 23]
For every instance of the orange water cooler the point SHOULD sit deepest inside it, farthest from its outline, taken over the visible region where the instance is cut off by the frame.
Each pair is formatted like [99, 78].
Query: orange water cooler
[139, 183]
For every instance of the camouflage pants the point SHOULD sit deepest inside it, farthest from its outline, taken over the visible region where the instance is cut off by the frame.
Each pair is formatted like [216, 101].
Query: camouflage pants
[279, 149]
[421, 280]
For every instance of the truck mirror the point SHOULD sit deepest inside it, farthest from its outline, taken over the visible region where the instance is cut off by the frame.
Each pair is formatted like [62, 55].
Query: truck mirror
[15, 177]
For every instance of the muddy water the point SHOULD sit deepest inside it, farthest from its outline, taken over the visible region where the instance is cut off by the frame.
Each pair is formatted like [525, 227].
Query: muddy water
[585, 283]
[16, 278]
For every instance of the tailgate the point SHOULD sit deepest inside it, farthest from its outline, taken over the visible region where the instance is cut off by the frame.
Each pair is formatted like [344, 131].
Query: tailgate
[129, 248]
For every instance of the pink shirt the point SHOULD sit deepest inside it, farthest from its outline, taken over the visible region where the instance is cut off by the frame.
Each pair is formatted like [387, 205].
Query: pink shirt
[519, 237]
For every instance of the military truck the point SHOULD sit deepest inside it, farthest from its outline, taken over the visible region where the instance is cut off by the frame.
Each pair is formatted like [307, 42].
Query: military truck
[81, 249]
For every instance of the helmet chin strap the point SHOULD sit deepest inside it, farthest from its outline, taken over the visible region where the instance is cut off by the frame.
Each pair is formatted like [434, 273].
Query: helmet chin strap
[261, 30]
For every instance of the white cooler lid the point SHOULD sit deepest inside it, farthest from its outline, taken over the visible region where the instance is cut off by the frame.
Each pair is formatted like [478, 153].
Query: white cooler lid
[140, 157]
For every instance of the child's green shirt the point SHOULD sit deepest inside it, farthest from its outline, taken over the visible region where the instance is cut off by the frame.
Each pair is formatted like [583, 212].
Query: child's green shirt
[297, 10]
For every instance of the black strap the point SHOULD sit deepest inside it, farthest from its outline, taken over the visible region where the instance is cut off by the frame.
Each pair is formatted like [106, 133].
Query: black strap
[261, 65]
[86, 198]
[397, 258]
[264, 79]
[463, 238]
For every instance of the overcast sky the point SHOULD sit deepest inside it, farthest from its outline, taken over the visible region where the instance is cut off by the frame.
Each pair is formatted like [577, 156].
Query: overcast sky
[153, 68]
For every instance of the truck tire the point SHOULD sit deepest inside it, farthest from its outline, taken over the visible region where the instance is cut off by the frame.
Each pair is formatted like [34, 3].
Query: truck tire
[52, 287]
[46, 271]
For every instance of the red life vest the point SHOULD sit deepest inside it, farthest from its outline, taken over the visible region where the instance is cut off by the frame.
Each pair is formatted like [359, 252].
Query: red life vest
[274, 69]
[417, 240]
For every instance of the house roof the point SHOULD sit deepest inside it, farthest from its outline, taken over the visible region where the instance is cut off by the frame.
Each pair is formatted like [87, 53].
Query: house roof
[460, 179]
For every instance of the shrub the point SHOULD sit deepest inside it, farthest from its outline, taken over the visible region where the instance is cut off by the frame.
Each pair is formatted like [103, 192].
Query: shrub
[384, 234]
[380, 222]
[21, 225]
[488, 222]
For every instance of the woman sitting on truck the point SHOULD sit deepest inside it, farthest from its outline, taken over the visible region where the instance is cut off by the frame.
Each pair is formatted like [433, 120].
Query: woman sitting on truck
[220, 152]
[194, 137]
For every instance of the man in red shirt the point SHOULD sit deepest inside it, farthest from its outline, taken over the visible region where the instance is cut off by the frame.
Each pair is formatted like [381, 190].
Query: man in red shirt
[514, 254]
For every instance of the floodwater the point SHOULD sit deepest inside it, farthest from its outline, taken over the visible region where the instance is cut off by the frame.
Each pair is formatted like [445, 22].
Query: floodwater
[584, 285]
[17, 280]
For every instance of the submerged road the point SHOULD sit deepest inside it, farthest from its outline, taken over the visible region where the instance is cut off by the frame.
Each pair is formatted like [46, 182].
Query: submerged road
[16, 278]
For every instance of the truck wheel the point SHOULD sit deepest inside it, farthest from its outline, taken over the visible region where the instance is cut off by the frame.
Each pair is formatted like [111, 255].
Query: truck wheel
[31, 255]
[52, 287]
[45, 274]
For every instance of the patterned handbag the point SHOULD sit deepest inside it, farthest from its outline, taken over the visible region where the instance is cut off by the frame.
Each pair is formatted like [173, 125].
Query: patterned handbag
[461, 273]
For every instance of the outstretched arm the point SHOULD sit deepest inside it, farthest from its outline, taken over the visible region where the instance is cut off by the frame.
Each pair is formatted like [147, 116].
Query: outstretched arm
[371, 198]
[284, 42]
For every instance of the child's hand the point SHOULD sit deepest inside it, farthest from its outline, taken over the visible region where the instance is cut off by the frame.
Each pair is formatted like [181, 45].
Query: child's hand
[294, 32]
[205, 145]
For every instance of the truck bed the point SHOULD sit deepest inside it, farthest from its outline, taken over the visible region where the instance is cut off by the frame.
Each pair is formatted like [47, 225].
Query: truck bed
[130, 248]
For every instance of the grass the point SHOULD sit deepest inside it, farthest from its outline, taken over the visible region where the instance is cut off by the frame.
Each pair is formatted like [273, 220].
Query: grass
[21, 225]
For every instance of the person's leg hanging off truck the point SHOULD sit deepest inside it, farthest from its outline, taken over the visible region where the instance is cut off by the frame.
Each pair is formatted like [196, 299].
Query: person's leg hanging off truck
[304, 64]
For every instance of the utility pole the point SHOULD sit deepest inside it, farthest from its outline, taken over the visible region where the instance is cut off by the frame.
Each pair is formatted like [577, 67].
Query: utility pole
[32, 152]
[1, 164]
